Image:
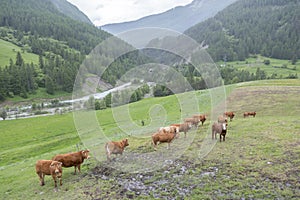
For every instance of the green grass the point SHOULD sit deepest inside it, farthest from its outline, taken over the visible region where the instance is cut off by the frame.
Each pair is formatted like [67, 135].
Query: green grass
[259, 159]
[39, 95]
[275, 66]
[9, 51]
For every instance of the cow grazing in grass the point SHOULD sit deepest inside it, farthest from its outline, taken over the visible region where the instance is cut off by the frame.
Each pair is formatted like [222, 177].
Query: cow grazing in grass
[220, 128]
[201, 118]
[185, 127]
[49, 167]
[162, 137]
[247, 114]
[72, 159]
[229, 114]
[115, 147]
[193, 121]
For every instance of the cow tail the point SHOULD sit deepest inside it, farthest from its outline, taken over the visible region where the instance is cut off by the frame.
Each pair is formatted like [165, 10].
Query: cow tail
[107, 149]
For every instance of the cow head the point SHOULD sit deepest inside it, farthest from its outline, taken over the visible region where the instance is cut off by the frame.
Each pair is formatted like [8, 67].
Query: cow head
[56, 167]
[85, 154]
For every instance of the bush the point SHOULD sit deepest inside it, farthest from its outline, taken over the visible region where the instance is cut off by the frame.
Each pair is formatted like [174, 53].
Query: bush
[267, 62]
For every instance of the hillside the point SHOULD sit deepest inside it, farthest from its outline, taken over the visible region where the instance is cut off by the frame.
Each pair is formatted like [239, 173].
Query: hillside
[266, 27]
[258, 160]
[58, 42]
[70, 10]
[177, 19]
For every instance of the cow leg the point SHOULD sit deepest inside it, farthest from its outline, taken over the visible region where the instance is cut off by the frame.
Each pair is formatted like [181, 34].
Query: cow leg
[78, 166]
[184, 134]
[60, 181]
[75, 169]
[41, 176]
[224, 138]
[55, 181]
[220, 137]
[108, 157]
[168, 145]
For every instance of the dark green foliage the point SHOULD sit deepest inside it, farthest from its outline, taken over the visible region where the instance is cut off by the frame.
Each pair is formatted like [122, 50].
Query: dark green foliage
[267, 27]
[3, 114]
[41, 18]
[161, 90]
[61, 43]
[267, 62]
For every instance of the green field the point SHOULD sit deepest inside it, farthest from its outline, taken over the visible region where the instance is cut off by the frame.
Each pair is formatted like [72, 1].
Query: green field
[282, 68]
[259, 159]
[9, 51]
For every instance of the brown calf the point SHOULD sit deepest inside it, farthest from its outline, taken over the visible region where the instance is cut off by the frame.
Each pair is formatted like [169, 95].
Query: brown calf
[115, 147]
[162, 137]
[185, 127]
[193, 121]
[72, 159]
[220, 128]
[49, 167]
[247, 114]
[201, 118]
[229, 114]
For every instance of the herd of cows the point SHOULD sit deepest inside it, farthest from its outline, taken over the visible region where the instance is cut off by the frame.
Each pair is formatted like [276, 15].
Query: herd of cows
[163, 135]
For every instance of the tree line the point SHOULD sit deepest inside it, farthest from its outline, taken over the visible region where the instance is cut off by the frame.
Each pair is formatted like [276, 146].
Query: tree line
[267, 27]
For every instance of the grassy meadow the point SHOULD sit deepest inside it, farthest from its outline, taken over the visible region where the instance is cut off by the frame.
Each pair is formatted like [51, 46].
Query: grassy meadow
[259, 159]
[9, 51]
[282, 68]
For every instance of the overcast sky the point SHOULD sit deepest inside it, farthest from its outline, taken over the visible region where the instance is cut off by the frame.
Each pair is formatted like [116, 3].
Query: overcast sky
[103, 12]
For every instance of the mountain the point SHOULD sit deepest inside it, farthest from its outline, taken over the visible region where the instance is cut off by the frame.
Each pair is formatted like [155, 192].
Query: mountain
[177, 19]
[70, 10]
[267, 27]
[60, 42]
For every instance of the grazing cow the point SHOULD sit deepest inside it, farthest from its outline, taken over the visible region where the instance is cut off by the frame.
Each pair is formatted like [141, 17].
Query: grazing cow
[201, 118]
[49, 167]
[193, 121]
[219, 128]
[247, 114]
[169, 129]
[72, 159]
[115, 147]
[229, 114]
[185, 127]
[162, 137]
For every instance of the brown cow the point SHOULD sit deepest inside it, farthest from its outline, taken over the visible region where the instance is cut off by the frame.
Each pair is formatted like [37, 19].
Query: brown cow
[49, 167]
[169, 129]
[185, 127]
[219, 128]
[72, 159]
[229, 114]
[246, 114]
[115, 147]
[201, 118]
[162, 137]
[193, 121]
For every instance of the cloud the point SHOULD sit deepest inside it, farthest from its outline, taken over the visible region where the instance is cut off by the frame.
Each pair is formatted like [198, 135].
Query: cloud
[103, 12]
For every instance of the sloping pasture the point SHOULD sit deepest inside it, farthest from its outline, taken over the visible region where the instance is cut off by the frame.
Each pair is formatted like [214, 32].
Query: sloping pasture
[259, 159]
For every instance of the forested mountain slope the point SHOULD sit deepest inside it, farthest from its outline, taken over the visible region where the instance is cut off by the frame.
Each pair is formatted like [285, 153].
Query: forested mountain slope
[267, 27]
[39, 27]
[71, 10]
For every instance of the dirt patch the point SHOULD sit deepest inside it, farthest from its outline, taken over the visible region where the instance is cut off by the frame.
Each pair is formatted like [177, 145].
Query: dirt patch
[166, 183]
